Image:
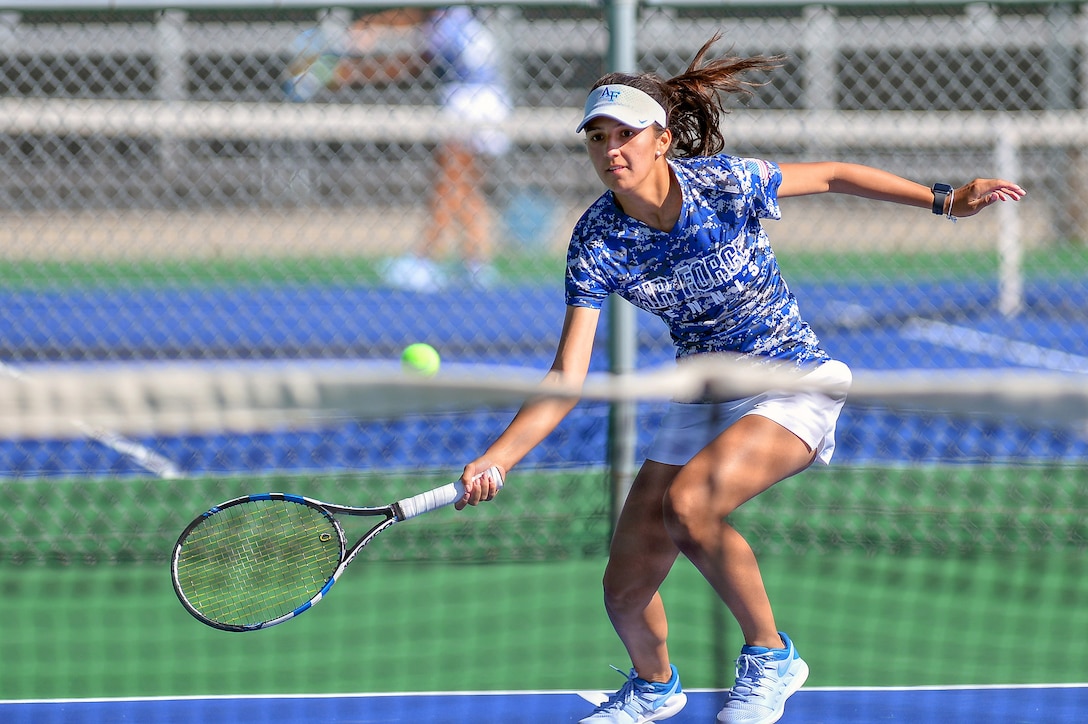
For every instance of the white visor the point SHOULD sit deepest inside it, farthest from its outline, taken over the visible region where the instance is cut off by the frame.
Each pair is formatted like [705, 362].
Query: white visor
[628, 105]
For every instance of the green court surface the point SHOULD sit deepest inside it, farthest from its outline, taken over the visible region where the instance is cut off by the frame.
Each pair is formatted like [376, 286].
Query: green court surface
[1063, 260]
[883, 577]
[858, 620]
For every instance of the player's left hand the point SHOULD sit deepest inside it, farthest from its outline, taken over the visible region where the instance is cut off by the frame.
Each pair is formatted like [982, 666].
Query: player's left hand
[973, 197]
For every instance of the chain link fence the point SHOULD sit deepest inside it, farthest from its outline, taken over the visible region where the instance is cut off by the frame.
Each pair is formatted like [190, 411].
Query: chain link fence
[264, 183]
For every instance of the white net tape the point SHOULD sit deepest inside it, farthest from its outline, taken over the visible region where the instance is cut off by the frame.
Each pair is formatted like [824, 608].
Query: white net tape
[63, 400]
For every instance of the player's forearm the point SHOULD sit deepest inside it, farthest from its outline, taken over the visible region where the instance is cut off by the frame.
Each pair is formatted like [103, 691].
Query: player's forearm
[539, 416]
[873, 183]
[533, 423]
[854, 179]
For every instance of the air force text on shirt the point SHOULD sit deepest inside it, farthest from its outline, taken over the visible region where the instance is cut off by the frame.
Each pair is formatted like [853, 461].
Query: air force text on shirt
[697, 282]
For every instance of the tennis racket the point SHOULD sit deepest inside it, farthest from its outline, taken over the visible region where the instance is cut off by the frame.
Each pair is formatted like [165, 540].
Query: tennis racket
[259, 560]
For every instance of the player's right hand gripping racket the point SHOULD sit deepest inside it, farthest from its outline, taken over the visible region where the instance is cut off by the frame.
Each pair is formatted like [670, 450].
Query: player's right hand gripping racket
[259, 560]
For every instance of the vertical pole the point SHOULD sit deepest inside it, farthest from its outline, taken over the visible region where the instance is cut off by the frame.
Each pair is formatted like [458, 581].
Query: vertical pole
[1010, 250]
[1060, 85]
[623, 326]
[820, 40]
[820, 43]
[171, 60]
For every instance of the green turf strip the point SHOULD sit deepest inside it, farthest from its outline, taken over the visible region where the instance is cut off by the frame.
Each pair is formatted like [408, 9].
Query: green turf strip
[1057, 260]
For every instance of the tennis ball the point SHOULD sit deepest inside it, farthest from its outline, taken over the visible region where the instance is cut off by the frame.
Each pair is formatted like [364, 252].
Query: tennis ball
[421, 359]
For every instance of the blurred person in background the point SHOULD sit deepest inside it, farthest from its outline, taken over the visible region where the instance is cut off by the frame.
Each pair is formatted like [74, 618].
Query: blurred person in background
[465, 59]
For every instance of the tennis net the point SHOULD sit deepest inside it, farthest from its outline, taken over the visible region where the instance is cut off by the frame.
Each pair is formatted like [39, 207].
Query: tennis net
[963, 555]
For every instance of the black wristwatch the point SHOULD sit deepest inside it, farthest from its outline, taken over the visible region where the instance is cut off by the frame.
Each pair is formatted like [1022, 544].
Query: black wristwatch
[941, 193]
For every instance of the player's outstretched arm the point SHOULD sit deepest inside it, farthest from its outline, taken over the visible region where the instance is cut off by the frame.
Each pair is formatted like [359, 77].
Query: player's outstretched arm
[799, 179]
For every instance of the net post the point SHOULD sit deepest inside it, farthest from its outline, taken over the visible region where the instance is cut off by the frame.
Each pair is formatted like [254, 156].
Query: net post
[623, 325]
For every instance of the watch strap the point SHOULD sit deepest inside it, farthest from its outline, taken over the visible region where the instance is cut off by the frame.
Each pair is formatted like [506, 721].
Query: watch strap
[941, 192]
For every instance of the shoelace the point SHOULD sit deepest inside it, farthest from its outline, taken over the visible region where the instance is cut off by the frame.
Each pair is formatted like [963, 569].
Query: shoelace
[750, 673]
[625, 697]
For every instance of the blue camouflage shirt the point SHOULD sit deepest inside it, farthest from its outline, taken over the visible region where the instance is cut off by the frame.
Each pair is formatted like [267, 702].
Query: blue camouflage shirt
[713, 279]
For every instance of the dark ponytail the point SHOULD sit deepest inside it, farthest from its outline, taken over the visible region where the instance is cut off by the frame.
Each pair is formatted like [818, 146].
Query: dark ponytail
[692, 100]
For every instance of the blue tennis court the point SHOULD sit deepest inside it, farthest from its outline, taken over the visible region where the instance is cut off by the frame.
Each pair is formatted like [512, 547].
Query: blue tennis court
[877, 326]
[1027, 705]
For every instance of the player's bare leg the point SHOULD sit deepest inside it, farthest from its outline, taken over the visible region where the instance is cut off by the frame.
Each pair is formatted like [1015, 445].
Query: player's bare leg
[745, 460]
[641, 555]
[640, 558]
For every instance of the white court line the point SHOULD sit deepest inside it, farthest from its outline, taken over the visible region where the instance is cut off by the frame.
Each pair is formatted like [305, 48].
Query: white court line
[143, 456]
[966, 339]
[587, 695]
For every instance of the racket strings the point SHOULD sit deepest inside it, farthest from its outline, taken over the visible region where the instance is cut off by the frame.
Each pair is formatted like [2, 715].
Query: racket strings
[256, 561]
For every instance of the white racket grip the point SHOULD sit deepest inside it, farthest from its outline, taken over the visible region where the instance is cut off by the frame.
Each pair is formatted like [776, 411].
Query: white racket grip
[441, 496]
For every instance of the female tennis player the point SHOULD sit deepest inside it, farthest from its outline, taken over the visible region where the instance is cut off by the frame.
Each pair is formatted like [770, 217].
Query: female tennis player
[678, 233]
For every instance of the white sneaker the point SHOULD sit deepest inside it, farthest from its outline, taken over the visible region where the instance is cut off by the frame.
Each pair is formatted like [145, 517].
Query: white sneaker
[414, 274]
[765, 679]
[639, 701]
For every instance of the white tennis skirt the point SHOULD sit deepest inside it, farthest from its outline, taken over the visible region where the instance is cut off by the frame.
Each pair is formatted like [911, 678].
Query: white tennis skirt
[688, 427]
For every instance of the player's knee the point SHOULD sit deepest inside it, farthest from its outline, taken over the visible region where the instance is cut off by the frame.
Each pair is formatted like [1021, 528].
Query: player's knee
[690, 515]
[680, 516]
[622, 595]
